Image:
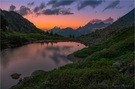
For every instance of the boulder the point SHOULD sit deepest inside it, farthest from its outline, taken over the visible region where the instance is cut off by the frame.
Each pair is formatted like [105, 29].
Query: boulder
[117, 64]
[15, 75]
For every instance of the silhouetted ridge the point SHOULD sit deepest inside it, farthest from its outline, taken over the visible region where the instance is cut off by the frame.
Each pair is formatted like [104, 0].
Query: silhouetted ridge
[14, 22]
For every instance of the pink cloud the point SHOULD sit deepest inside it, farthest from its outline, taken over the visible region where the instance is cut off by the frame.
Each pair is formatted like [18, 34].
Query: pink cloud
[108, 20]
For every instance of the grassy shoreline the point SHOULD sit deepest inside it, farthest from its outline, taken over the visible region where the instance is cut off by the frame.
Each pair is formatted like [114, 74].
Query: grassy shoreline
[14, 39]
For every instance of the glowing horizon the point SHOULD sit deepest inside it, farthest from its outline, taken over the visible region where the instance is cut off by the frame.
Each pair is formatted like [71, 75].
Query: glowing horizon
[47, 25]
[46, 15]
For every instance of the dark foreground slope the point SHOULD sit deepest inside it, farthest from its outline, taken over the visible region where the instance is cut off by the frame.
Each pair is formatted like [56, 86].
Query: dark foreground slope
[109, 65]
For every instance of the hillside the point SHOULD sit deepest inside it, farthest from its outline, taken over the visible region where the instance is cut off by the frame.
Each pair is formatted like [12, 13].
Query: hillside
[107, 65]
[66, 32]
[16, 31]
[89, 28]
[13, 22]
[99, 37]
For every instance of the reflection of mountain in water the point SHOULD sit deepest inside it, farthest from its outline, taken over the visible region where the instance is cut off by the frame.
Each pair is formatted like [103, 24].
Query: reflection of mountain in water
[36, 51]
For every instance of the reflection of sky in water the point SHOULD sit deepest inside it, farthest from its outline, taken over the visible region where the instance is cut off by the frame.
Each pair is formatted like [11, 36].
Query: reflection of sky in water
[36, 56]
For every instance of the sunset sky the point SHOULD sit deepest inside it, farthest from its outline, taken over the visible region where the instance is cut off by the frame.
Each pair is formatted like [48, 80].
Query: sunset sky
[46, 14]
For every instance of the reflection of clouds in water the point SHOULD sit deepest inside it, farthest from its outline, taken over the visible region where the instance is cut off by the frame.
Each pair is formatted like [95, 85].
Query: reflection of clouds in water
[37, 51]
[54, 53]
[40, 54]
[57, 48]
[57, 57]
[43, 54]
[5, 54]
[53, 48]
[66, 48]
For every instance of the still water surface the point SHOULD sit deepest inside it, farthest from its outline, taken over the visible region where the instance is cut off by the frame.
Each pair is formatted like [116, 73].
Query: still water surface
[31, 57]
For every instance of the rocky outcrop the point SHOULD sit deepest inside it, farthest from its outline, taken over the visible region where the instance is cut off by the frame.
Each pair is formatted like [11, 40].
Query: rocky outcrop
[15, 76]
[117, 64]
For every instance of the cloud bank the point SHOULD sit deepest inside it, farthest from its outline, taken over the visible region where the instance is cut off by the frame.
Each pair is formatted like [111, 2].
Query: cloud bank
[108, 20]
[112, 5]
[31, 4]
[24, 10]
[61, 7]
[12, 8]
[57, 11]
[91, 3]
[58, 3]
[40, 7]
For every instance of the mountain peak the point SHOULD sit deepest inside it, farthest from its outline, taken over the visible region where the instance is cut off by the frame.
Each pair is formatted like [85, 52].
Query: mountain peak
[125, 21]
[69, 28]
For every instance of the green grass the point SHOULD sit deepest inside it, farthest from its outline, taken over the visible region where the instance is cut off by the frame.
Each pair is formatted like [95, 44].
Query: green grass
[17, 39]
[123, 40]
[95, 71]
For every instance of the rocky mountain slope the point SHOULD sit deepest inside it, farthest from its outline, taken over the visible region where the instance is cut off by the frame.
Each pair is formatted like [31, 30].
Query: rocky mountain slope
[88, 28]
[16, 31]
[13, 22]
[99, 37]
[66, 32]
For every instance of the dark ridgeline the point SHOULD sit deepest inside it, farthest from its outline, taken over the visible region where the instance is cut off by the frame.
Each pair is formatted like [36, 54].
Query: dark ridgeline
[88, 28]
[66, 32]
[14, 22]
[99, 37]
[17, 31]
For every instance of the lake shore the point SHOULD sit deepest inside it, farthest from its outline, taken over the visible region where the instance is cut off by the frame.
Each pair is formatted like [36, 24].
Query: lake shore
[42, 41]
[72, 58]
[38, 53]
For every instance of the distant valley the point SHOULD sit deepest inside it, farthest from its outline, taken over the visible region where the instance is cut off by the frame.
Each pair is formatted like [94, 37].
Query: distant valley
[88, 28]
